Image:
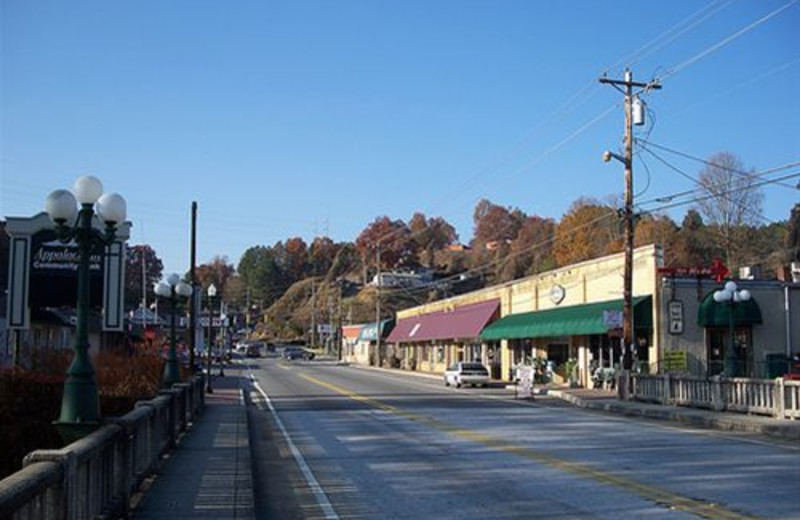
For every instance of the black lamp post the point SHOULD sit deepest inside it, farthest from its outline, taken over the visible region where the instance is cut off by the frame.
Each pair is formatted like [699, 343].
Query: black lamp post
[80, 405]
[211, 292]
[731, 295]
[170, 289]
[221, 340]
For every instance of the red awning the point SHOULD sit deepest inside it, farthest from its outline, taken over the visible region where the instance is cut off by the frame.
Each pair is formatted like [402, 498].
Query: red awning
[462, 322]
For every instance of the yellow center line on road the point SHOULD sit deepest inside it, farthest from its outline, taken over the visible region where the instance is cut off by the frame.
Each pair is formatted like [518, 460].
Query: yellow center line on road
[659, 496]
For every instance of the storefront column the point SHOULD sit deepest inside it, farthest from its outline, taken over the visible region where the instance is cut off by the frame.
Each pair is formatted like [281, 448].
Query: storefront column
[506, 360]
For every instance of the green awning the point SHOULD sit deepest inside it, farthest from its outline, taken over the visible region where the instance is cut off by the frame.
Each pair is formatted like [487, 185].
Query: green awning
[713, 314]
[576, 320]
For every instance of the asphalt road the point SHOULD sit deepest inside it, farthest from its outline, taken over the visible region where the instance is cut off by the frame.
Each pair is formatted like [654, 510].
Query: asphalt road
[339, 442]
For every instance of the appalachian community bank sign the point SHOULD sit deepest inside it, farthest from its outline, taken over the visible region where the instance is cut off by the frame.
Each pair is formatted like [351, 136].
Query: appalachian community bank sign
[43, 272]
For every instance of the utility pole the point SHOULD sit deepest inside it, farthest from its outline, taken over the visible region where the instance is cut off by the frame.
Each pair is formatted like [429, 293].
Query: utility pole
[339, 335]
[247, 311]
[144, 287]
[378, 303]
[626, 86]
[195, 300]
[329, 342]
[313, 314]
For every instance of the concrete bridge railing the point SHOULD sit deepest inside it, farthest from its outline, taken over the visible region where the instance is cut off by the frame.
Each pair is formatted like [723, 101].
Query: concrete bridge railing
[95, 476]
[779, 398]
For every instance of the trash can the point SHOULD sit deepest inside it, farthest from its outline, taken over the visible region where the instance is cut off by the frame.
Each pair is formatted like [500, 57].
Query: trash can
[777, 365]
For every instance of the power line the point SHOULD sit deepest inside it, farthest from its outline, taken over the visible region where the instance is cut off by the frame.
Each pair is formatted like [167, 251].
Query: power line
[697, 57]
[667, 37]
[721, 166]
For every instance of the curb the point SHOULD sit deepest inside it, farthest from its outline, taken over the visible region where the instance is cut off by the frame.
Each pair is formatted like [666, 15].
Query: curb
[787, 430]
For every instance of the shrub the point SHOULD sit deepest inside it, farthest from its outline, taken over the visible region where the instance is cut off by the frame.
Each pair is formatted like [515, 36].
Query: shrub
[30, 400]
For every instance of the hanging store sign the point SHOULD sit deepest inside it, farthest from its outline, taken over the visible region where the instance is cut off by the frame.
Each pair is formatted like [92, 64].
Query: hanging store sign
[675, 312]
[612, 319]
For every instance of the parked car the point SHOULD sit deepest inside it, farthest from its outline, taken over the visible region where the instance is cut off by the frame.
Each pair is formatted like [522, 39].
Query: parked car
[292, 353]
[466, 373]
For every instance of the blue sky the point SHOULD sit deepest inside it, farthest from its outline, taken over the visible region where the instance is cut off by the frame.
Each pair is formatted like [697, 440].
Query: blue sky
[300, 118]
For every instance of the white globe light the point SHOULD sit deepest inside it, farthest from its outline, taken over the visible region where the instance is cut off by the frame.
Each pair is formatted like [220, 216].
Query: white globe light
[730, 286]
[61, 206]
[722, 296]
[112, 208]
[87, 189]
[173, 279]
[744, 295]
[212, 290]
[163, 289]
[184, 289]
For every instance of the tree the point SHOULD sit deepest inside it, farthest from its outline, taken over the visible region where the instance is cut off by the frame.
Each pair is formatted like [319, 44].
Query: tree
[398, 248]
[658, 229]
[733, 201]
[494, 223]
[431, 235]
[588, 230]
[346, 261]
[136, 278]
[691, 247]
[218, 272]
[261, 274]
[297, 259]
[321, 255]
[793, 235]
[532, 250]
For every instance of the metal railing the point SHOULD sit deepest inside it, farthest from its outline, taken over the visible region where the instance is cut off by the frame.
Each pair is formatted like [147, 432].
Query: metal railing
[95, 476]
[778, 397]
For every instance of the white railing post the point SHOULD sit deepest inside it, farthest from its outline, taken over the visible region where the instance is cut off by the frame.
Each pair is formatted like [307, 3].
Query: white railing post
[717, 403]
[779, 398]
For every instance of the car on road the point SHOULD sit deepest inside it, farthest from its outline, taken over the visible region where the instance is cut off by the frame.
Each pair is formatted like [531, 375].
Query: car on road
[292, 353]
[254, 350]
[466, 373]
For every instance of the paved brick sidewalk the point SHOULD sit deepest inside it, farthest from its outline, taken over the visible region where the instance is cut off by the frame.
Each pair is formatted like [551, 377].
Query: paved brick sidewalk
[208, 474]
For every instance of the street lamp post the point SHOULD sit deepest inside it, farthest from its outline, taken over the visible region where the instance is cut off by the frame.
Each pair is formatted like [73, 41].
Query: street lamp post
[171, 288]
[80, 405]
[731, 295]
[211, 292]
[221, 340]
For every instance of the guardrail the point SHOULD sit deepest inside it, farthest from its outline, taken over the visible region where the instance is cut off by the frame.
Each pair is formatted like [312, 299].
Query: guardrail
[95, 476]
[778, 397]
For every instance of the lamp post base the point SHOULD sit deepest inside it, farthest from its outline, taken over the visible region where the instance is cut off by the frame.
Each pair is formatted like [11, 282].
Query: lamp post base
[171, 373]
[73, 431]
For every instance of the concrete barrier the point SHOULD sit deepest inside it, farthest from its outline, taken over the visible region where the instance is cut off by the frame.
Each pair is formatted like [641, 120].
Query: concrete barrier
[94, 477]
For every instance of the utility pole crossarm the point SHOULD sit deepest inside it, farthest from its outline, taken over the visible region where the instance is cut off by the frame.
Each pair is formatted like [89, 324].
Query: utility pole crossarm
[652, 85]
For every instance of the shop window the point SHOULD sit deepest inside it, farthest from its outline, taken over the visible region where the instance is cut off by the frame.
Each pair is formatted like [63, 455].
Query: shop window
[440, 354]
[719, 340]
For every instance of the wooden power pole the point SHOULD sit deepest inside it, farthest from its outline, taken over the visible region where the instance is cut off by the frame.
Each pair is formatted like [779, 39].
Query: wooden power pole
[626, 86]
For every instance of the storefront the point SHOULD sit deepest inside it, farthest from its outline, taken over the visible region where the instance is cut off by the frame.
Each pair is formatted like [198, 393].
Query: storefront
[432, 341]
[698, 329]
[584, 336]
[368, 350]
[564, 308]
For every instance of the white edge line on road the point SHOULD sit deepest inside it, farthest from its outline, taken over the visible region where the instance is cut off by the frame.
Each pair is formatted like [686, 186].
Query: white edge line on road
[319, 493]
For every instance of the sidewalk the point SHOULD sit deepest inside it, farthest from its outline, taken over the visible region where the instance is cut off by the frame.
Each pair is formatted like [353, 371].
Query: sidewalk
[208, 474]
[729, 421]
